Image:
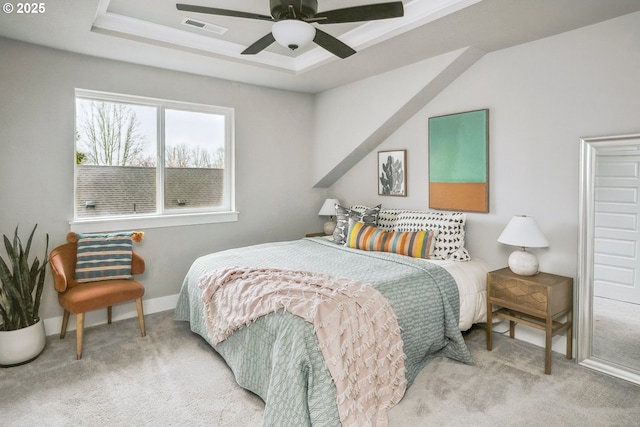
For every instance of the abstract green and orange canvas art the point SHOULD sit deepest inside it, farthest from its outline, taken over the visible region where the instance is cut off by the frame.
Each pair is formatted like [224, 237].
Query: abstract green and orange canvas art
[459, 161]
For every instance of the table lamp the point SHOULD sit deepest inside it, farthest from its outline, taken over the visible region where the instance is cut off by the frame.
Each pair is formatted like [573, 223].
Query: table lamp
[329, 209]
[523, 231]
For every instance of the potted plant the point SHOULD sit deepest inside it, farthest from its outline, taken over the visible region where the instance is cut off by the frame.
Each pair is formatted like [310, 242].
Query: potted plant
[22, 334]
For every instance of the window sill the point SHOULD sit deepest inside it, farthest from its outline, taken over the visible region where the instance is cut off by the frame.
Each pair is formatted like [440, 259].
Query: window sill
[94, 225]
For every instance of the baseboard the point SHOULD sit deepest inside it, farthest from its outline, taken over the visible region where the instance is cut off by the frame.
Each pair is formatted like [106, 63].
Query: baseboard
[533, 336]
[52, 325]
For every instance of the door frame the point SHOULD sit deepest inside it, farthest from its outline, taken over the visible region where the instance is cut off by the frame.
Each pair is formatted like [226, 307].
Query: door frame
[586, 222]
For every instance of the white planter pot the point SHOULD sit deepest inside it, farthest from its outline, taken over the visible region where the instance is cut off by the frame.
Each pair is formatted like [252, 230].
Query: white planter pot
[22, 345]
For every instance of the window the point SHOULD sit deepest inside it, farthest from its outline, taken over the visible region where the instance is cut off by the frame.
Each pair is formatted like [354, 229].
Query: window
[150, 162]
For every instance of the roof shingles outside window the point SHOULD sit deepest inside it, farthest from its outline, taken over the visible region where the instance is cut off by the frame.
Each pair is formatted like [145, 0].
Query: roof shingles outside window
[127, 190]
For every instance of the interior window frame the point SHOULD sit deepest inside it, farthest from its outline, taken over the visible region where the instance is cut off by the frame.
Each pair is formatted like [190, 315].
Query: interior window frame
[164, 217]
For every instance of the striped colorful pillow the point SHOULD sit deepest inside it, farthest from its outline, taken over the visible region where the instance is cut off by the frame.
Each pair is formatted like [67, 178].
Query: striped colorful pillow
[104, 256]
[417, 244]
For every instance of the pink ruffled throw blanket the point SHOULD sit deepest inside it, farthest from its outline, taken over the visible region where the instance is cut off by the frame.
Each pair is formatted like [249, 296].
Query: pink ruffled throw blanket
[357, 330]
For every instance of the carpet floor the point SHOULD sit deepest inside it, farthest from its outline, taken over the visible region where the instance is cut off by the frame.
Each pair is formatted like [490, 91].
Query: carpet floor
[172, 377]
[616, 332]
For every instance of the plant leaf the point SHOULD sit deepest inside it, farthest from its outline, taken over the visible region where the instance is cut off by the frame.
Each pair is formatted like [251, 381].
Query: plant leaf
[22, 284]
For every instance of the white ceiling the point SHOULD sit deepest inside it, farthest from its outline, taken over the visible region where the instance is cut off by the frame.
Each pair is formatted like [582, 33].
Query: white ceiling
[151, 32]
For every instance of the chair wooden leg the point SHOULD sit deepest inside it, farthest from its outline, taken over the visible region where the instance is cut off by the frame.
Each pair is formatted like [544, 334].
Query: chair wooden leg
[65, 321]
[109, 315]
[140, 316]
[79, 334]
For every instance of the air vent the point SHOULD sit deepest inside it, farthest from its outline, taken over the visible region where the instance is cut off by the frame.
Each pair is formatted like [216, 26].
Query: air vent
[204, 26]
[194, 23]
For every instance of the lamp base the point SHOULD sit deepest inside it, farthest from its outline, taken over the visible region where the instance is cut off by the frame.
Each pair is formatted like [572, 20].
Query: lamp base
[523, 263]
[329, 227]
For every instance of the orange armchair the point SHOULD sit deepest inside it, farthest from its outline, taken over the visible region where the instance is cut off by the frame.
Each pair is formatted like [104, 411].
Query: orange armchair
[80, 298]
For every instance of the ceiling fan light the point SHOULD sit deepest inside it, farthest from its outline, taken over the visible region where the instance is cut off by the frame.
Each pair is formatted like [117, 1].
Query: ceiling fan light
[292, 33]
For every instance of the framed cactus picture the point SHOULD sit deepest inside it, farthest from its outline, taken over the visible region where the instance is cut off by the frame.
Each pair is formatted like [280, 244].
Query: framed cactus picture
[392, 173]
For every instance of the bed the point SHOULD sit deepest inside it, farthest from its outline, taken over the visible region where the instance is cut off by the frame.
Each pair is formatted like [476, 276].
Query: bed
[278, 356]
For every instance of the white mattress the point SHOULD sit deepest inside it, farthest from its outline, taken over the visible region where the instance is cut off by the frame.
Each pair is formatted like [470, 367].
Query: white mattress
[471, 277]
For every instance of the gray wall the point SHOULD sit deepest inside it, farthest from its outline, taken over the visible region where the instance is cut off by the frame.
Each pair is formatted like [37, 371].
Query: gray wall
[37, 157]
[543, 97]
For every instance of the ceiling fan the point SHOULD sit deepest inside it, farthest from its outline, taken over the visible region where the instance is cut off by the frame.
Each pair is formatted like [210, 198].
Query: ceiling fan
[292, 22]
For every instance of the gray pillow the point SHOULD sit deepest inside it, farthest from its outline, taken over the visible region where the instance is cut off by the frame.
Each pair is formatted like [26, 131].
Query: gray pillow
[358, 213]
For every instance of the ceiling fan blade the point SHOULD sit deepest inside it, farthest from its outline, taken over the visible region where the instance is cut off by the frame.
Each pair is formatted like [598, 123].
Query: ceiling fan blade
[223, 12]
[260, 45]
[332, 44]
[369, 12]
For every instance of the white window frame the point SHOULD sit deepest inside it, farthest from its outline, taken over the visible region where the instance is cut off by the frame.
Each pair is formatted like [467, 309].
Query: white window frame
[165, 217]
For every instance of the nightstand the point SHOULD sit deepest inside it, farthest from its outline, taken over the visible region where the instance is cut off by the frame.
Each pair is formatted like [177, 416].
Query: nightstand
[316, 235]
[534, 301]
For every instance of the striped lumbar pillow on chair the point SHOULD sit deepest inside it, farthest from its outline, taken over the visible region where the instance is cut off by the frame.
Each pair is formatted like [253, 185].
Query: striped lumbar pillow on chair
[104, 256]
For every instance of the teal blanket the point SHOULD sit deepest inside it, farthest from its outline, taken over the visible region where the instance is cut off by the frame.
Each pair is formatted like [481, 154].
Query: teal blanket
[277, 356]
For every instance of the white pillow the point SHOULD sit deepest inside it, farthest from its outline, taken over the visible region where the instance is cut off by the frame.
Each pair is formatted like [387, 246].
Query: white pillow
[387, 218]
[450, 225]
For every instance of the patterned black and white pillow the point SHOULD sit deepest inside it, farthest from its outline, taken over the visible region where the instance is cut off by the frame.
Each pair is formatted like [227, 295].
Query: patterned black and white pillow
[387, 218]
[359, 213]
[450, 241]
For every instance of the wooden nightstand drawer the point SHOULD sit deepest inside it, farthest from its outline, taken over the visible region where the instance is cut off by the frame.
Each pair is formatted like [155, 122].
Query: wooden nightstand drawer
[542, 295]
[521, 292]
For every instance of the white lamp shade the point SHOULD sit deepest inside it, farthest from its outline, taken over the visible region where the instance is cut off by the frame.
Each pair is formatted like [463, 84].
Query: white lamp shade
[292, 33]
[329, 207]
[523, 231]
